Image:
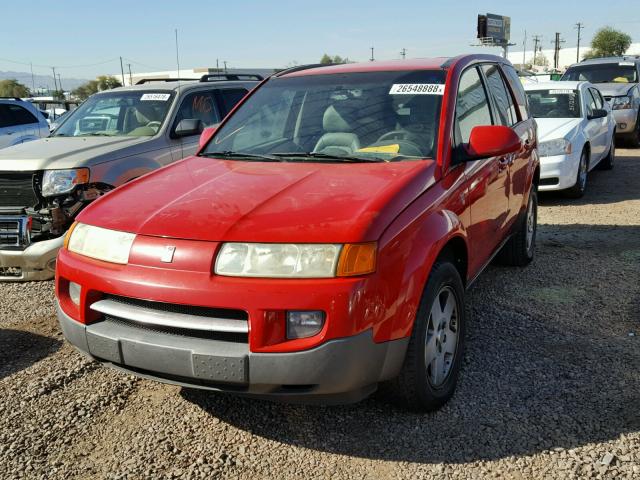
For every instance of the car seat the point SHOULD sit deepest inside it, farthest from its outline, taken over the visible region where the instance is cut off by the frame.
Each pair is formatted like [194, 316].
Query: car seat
[339, 139]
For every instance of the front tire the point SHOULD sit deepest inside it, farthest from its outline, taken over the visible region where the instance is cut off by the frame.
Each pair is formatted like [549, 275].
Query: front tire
[578, 189]
[608, 161]
[633, 138]
[432, 363]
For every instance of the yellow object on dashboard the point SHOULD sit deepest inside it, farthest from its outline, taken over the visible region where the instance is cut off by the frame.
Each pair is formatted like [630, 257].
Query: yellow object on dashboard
[394, 148]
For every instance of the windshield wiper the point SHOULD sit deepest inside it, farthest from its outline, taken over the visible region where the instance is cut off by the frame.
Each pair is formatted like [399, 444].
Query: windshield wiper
[95, 134]
[251, 156]
[325, 156]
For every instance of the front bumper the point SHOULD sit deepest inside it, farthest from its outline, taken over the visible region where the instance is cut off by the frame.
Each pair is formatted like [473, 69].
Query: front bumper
[341, 370]
[35, 262]
[559, 172]
[625, 120]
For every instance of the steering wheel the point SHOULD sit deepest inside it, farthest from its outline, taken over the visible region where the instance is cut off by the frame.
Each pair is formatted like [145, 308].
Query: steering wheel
[405, 135]
[154, 124]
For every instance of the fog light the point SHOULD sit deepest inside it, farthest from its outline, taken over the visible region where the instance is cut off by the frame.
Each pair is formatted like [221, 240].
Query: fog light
[74, 292]
[302, 324]
[622, 125]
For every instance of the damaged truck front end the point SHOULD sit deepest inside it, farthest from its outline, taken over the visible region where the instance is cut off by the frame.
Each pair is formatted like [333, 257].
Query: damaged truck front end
[36, 210]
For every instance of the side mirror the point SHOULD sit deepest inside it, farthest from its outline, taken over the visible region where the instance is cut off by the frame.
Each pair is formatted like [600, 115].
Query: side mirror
[492, 141]
[206, 134]
[597, 113]
[188, 127]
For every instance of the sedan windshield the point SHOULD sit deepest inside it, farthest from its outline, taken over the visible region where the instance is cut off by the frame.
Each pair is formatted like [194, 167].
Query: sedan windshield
[371, 116]
[603, 73]
[554, 103]
[135, 114]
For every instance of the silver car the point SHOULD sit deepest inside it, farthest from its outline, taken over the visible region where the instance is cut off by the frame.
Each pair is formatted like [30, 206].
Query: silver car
[618, 80]
[112, 138]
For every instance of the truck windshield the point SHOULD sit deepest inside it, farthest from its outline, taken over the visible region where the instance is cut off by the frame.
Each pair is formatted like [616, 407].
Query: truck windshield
[368, 116]
[603, 73]
[557, 103]
[135, 114]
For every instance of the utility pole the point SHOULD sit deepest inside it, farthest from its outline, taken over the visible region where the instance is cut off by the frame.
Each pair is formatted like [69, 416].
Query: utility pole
[60, 83]
[536, 40]
[217, 66]
[524, 49]
[225, 66]
[403, 53]
[579, 26]
[55, 84]
[556, 53]
[33, 83]
[372, 57]
[130, 77]
[122, 70]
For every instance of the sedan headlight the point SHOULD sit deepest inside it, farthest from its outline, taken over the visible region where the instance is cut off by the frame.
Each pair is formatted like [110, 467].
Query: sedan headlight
[100, 243]
[288, 260]
[58, 182]
[621, 103]
[559, 146]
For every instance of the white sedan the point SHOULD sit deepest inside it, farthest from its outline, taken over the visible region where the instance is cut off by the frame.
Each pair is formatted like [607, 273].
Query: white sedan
[576, 132]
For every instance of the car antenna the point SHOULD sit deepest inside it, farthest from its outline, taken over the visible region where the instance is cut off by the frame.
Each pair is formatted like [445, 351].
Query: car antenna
[179, 90]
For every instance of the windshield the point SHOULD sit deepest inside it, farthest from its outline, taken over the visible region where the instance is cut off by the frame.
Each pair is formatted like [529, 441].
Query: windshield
[557, 103]
[136, 114]
[371, 116]
[622, 72]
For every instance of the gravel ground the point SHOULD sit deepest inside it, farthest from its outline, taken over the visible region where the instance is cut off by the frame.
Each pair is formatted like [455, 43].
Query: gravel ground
[549, 388]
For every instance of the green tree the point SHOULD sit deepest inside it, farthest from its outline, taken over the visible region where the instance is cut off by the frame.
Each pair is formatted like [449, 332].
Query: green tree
[58, 94]
[13, 88]
[540, 60]
[101, 83]
[608, 42]
[336, 59]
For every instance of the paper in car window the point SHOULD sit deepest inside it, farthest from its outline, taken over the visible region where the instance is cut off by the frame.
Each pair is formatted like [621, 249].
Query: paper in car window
[157, 97]
[626, 64]
[560, 92]
[417, 89]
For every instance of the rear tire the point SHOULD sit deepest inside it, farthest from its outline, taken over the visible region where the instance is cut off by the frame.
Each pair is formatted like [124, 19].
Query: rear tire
[520, 248]
[578, 189]
[607, 162]
[633, 138]
[432, 363]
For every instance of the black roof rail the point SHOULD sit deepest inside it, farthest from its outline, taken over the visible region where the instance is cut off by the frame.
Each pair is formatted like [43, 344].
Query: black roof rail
[221, 77]
[150, 80]
[299, 68]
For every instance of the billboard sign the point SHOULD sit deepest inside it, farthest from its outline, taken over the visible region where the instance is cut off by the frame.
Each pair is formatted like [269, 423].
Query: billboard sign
[496, 27]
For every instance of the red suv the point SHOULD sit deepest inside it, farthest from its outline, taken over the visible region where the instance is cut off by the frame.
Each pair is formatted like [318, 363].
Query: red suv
[321, 240]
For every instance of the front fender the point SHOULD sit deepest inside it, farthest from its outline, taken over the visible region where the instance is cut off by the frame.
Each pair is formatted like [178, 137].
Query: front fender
[119, 172]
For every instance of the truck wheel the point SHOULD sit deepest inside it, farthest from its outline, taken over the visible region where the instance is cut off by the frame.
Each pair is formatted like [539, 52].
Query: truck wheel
[607, 162]
[578, 189]
[430, 371]
[520, 248]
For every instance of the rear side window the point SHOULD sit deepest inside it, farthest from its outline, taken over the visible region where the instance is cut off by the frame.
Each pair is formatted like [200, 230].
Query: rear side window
[503, 101]
[19, 115]
[229, 98]
[518, 91]
[472, 105]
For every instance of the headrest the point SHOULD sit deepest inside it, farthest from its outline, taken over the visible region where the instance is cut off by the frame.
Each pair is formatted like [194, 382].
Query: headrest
[332, 121]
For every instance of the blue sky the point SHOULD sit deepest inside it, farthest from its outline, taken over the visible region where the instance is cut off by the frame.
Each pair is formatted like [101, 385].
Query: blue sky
[76, 35]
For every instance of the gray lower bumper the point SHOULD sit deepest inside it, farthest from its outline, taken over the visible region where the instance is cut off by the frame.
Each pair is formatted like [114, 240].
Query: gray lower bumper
[36, 262]
[339, 371]
[625, 120]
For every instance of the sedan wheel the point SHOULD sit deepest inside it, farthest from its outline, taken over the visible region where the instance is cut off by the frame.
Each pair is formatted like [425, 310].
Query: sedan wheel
[578, 189]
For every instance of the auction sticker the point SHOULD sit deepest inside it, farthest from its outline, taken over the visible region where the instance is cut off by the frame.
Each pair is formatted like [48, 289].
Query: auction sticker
[158, 97]
[560, 92]
[417, 89]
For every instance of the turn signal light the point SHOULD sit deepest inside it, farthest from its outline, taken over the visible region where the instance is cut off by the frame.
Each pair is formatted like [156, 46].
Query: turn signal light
[357, 259]
[67, 237]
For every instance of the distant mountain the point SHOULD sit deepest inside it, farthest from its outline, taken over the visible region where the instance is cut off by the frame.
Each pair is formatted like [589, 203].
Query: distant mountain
[42, 81]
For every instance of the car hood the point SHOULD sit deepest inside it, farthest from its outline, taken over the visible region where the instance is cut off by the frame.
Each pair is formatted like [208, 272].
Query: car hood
[615, 89]
[550, 128]
[222, 200]
[66, 152]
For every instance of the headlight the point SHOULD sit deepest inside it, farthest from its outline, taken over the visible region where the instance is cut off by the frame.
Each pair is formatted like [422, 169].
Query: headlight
[621, 103]
[58, 182]
[288, 260]
[99, 243]
[559, 146]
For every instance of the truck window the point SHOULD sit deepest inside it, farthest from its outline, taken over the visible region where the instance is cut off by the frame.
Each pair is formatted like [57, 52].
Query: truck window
[472, 105]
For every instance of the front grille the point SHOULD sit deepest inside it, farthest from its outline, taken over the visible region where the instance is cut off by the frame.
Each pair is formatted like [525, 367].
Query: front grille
[221, 324]
[16, 190]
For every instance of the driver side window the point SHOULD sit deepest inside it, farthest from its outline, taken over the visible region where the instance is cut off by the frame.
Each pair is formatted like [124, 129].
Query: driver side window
[472, 106]
[199, 105]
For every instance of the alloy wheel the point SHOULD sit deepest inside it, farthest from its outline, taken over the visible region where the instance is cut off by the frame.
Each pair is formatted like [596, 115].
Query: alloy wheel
[442, 336]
